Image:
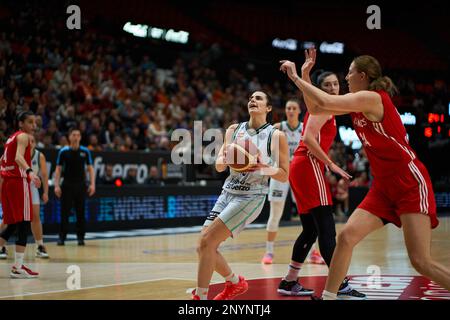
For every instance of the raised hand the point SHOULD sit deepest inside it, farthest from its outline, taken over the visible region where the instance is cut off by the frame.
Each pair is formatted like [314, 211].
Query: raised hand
[310, 61]
[289, 68]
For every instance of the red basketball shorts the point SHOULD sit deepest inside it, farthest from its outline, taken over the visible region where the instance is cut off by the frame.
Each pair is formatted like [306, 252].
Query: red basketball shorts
[308, 183]
[16, 201]
[408, 191]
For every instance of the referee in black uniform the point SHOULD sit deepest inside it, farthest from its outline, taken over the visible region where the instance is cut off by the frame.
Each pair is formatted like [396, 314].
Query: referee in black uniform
[72, 161]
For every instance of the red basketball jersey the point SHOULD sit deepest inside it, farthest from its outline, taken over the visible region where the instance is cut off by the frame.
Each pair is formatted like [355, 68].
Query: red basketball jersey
[326, 136]
[386, 142]
[9, 166]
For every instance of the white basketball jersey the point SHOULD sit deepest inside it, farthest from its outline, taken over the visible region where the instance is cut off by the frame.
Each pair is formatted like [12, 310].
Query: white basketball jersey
[35, 161]
[252, 182]
[293, 135]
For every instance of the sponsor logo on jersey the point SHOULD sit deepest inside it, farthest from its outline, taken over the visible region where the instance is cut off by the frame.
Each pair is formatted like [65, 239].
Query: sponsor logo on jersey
[359, 122]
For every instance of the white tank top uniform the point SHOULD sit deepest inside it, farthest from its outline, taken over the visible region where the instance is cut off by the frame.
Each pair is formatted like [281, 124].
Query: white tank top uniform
[36, 169]
[243, 193]
[278, 191]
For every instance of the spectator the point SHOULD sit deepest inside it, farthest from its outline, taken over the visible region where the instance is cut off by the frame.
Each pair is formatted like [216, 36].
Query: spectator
[93, 143]
[154, 177]
[131, 177]
[107, 178]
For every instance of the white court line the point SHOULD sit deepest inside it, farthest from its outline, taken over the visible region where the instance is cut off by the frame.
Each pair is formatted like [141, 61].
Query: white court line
[87, 288]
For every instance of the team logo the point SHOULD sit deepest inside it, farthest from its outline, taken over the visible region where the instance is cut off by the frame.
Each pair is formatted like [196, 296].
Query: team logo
[380, 287]
[262, 135]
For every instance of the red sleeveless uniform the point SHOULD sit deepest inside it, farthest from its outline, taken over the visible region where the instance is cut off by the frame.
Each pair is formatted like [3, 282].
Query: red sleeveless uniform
[16, 195]
[307, 173]
[401, 182]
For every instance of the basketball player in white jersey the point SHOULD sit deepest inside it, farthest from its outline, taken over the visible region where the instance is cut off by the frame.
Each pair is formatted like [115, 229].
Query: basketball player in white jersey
[38, 164]
[242, 197]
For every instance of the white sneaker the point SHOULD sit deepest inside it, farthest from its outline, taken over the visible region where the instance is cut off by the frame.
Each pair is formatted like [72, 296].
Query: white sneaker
[23, 273]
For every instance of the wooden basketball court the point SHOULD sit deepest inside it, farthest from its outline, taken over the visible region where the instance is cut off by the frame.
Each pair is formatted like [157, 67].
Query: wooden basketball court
[164, 267]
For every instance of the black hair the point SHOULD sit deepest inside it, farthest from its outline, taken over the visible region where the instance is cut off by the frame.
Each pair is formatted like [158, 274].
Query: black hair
[269, 116]
[23, 115]
[72, 129]
[321, 77]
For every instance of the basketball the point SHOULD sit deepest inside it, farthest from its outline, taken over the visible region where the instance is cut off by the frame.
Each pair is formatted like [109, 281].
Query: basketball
[241, 155]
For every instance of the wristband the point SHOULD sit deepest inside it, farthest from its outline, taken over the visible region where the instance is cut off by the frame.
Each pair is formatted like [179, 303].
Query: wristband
[28, 171]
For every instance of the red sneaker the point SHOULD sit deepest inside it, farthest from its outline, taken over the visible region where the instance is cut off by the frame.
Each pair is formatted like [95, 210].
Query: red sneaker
[268, 258]
[232, 290]
[23, 273]
[195, 296]
[316, 258]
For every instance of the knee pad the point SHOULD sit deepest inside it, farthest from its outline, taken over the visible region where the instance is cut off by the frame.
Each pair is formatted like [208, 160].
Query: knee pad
[276, 211]
[22, 233]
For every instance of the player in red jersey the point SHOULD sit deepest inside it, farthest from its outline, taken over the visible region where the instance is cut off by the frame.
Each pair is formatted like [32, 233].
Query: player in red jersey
[311, 190]
[16, 173]
[401, 192]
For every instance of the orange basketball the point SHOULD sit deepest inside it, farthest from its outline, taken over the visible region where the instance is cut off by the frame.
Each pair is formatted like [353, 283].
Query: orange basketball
[241, 155]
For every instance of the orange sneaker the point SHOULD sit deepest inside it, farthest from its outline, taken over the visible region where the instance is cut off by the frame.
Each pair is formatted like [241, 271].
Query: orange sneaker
[316, 258]
[232, 290]
[268, 258]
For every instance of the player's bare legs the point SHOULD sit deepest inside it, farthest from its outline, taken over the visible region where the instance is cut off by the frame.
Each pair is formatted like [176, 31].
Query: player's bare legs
[221, 266]
[209, 242]
[417, 234]
[36, 226]
[36, 229]
[359, 225]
